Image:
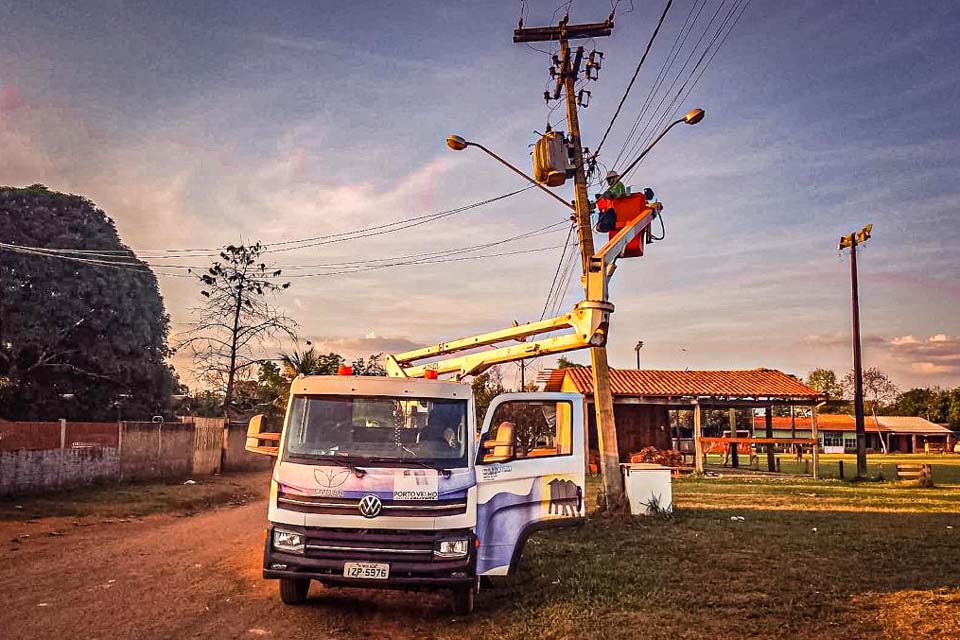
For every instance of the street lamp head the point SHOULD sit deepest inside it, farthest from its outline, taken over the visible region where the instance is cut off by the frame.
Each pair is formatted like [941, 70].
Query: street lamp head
[694, 116]
[456, 143]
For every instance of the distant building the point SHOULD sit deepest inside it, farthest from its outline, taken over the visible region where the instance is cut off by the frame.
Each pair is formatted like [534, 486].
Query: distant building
[901, 434]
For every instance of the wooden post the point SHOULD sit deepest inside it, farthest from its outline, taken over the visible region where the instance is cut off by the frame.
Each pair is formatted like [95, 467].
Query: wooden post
[119, 450]
[697, 439]
[815, 434]
[734, 457]
[63, 453]
[771, 458]
[600, 368]
[913, 443]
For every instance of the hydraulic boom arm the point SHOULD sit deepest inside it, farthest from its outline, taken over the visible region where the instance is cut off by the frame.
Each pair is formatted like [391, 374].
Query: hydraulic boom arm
[586, 324]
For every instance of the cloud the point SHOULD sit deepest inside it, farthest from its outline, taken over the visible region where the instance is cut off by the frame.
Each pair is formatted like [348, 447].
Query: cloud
[826, 340]
[938, 354]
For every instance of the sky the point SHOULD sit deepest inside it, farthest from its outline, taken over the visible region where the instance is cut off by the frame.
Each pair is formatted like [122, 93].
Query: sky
[197, 124]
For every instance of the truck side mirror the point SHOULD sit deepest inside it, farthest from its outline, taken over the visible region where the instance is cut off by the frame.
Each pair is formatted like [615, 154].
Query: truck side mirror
[258, 441]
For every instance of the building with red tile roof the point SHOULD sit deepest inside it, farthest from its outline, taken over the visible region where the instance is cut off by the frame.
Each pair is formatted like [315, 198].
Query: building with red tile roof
[643, 399]
[763, 386]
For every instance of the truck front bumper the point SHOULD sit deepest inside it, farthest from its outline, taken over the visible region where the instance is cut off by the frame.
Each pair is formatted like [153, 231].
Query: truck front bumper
[324, 562]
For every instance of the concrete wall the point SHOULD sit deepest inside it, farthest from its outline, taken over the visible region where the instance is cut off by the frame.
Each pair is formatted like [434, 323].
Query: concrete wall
[139, 451]
[27, 470]
[150, 451]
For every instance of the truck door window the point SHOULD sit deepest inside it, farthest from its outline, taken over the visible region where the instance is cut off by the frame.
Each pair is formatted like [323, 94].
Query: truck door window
[524, 429]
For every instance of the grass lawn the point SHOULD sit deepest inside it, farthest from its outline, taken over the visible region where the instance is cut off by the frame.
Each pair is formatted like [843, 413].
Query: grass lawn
[138, 499]
[946, 468]
[809, 560]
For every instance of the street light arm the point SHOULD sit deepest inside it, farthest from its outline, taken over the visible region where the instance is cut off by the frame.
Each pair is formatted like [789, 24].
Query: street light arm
[650, 146]
[521, 173]
[692, 117]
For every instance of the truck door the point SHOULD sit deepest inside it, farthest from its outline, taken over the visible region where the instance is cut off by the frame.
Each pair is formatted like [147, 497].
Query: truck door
[530, 473]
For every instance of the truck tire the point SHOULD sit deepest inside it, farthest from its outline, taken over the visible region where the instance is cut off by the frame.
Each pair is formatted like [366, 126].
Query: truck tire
[294, 591]
[463, 600]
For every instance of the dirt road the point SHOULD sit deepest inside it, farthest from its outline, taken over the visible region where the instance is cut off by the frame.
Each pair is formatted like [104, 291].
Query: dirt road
[167, 577]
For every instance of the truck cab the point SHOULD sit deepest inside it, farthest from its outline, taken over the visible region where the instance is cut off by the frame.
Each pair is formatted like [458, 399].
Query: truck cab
[388, 482]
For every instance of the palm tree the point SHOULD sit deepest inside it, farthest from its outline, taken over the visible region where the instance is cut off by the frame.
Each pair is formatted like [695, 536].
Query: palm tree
[309, 363]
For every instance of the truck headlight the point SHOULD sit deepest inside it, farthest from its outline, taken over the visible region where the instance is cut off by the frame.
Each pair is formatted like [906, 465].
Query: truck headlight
[289, 541]
[454, 548]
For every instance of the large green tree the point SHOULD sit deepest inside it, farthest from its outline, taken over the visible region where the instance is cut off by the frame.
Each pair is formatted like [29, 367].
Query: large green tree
[78, 339]
[825, 381]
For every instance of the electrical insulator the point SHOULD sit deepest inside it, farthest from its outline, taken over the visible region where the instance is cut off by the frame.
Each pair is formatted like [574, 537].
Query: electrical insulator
[583, 98]
[553, 72]
[556, 61]
[594, 62]
[546, 97]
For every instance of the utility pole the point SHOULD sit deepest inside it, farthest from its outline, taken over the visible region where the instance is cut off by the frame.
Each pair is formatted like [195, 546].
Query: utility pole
[851, 241]
[566, 78]
[637, 349]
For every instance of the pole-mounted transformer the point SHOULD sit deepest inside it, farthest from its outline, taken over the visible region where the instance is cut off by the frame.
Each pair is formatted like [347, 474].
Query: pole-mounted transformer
[551, 159]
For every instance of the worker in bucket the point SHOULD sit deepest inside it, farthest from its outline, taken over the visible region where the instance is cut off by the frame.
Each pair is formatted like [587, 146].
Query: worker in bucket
[615, 189]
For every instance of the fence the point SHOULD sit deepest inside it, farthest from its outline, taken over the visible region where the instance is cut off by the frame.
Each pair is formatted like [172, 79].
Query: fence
[38, 456]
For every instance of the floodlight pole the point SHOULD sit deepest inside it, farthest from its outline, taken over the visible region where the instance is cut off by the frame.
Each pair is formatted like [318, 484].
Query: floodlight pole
[851, 241]
[857, 366]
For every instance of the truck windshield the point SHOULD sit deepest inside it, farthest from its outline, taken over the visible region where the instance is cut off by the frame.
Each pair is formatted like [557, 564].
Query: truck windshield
[377, 429]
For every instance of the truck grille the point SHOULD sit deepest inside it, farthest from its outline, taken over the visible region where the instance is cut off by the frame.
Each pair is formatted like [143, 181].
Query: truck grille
[378, 545]
[350, 506]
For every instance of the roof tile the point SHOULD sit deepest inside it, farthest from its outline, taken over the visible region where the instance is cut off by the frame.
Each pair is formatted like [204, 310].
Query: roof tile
[752, 383]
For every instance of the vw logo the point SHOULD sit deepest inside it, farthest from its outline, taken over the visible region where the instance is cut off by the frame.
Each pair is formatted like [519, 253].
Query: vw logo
[370, 506]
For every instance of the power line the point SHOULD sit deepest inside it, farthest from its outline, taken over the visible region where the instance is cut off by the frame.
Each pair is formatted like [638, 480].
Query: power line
[422, 262]
[382, 229]
[665, 66]
[566, 278]
[648, 131]
[133, 264]
[726, 27]
[556, 275]
[636, 71]
[125, 266]
[545, 230]
[379, 229]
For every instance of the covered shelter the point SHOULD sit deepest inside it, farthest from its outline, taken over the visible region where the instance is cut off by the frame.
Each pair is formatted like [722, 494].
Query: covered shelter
[643, 399]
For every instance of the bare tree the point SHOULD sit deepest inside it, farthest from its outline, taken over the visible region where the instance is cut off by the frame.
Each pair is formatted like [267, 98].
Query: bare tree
[878, 388]
[230, 335]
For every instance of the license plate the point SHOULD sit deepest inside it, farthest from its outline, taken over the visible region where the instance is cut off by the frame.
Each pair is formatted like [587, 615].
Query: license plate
[366, 570]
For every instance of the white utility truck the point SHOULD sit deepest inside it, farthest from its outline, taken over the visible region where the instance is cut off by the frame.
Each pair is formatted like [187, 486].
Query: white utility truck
[385, 482]
[388, 482]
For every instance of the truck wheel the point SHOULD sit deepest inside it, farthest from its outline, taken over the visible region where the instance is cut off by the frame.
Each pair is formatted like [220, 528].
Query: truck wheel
[294, 590]
[463, 598]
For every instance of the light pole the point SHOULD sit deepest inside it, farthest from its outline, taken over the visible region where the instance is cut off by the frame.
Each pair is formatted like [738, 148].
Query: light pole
[459, 144]
[637, 349]
[851, 241]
